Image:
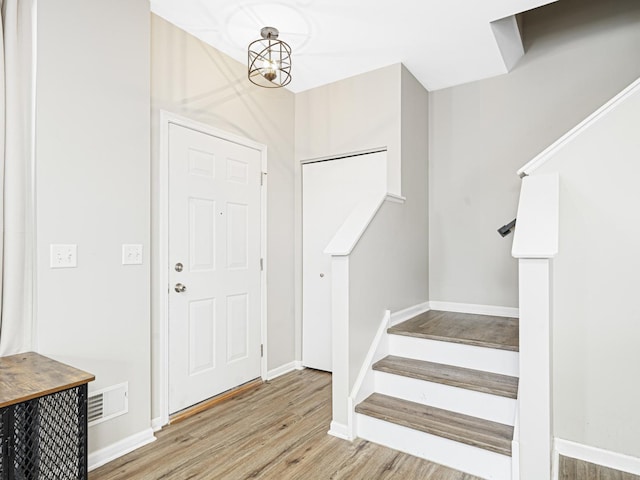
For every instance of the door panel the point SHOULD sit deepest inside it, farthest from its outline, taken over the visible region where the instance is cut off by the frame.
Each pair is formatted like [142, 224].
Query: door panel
[202, 234]
[330, 192]
[214, 231]
[237, 236]
[202, 327]
[237, 327]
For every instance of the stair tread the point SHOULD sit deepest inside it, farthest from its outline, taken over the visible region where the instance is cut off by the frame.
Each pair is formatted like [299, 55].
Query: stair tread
[473, 431]
[478, 330]
[477, 380]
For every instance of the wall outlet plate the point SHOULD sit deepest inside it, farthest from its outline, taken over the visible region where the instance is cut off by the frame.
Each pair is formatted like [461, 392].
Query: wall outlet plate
[63, 256]
[131, 254]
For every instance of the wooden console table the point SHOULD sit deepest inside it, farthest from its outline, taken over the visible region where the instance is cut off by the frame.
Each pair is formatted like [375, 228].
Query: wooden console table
[43, 419]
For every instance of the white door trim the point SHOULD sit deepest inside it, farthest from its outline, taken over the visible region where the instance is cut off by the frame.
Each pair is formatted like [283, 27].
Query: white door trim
[162, 363]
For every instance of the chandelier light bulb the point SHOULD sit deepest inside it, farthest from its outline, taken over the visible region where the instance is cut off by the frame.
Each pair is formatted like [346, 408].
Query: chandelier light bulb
[269, 69]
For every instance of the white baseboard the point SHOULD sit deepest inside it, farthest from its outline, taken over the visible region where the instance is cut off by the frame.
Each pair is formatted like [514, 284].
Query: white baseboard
[475, 309]
[408, 313]
[339, 430]
[126, 445]
[606, 458]
[402, 315]
[157, 424]
[284, 369]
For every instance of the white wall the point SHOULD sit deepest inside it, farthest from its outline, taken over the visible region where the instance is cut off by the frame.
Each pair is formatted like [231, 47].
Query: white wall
[92, 156]
[196, 81]
[579, 54]
[596, 314]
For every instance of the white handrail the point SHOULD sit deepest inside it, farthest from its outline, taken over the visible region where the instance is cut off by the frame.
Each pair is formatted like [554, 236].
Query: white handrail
[550, 151]
[350, 232]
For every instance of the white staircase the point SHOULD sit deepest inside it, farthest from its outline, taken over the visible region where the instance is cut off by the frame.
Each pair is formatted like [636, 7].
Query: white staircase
[447, 392]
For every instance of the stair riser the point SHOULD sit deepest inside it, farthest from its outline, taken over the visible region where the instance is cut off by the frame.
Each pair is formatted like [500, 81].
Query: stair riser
[469, 402]
[466, 458]
[468, 356]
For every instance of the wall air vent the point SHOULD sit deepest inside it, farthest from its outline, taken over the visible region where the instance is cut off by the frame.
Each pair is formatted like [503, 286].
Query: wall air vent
[108, 403]
[95, 407]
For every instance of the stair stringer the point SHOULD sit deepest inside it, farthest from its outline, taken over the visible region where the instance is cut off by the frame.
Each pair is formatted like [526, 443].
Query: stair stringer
[365, 383]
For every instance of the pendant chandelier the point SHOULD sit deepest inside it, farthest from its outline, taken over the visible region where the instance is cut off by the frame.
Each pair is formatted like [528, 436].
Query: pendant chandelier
[269, 60]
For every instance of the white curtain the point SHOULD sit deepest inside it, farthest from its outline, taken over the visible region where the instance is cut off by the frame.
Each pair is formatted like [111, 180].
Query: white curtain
[16, 174]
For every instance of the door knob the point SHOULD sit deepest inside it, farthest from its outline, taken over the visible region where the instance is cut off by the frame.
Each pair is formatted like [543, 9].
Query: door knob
[180, 288]
[322, 275]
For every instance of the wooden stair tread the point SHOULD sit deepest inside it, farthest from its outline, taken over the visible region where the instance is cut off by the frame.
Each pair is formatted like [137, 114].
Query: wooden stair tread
[473, 431]
[478, 330]
[477, 380]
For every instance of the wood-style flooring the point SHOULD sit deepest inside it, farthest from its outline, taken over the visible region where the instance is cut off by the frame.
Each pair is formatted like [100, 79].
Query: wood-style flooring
[276, 431]
[479, 330]
[572, 469]
[480, 381]
[473, 431]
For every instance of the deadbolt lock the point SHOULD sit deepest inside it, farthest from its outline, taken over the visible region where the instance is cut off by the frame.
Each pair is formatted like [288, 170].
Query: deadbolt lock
[179, 267]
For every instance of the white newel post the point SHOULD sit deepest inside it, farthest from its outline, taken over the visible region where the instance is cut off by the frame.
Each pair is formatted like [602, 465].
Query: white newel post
[340, 346]
[340, 247]
[535, 245]
[534, 390]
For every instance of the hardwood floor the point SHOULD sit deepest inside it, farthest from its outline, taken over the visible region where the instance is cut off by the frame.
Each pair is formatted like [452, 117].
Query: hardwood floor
[277, 431]
[572, 469]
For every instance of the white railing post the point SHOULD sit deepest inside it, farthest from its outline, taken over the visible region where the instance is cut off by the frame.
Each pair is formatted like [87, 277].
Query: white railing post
[340, 248]
[340, 346]
[534, 390]
[535, 244]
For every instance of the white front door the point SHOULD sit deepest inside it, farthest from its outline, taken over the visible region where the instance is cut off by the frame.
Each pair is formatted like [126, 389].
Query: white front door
[214, 266]
[330, 191]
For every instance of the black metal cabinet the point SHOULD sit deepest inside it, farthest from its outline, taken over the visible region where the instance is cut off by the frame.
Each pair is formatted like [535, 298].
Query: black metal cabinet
[43, 433]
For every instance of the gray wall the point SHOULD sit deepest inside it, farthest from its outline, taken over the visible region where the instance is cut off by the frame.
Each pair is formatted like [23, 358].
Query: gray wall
[596, 323]
[389, 266]
[196, 81]
[92, 167]
[579, 54]
[354, 114]
[415, 140]
[337, 119]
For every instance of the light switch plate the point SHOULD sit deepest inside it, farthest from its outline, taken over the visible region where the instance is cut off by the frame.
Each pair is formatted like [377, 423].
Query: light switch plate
[64, 256]
[132, 254]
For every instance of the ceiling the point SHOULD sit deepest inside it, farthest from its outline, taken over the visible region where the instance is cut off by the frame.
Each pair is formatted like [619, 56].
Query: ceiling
[442, 42]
